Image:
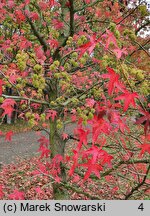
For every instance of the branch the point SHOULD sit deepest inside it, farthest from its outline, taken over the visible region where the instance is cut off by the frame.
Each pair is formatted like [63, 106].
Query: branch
[18, 98]
[38, 35]
[81, 68]
[139, 48]
[71, 17]
[142, 48]
[139, 185]
[55, 55]
[130, 135]
[73, 138]
[103, 174]
[83, 93]
[142, 26]
[125, 162]
[70, 187]
[131, 12]
[6, 62]
[40, 128]
[88, 5]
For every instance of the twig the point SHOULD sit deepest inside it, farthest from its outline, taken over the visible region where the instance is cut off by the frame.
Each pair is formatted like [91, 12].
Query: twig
[138, 186]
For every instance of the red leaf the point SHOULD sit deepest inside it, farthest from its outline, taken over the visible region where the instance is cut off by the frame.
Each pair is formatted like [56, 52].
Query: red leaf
[55, 169]
[119, 52]
[1, 192]
[91, 168]
[90, 102]
[20, 16]
[65, 136]
[8, 136]
[7, 106]
[89, 46]
[146, 119]
[44, 151]
[34, 16]
[145, 148]
[104, 158]
[42, 169]
[52, 2]
[53, 43]
[82, 136]
[110, 39]
[43, 141]
[11, 4]
[114, 81]
[24, 43]
[58, 24]
[51, 114]
[1, 84]
[16, 195]
[39, 191]
[99, 126]
[128, 98]
[40, 53]
[92, 165]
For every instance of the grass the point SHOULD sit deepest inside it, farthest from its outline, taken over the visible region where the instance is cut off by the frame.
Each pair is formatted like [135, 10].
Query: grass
[17, 127]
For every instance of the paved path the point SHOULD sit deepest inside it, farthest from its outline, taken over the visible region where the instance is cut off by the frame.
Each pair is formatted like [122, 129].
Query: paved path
[22, 144]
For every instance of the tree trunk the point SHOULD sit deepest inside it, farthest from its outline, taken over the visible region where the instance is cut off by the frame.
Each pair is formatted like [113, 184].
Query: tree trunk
[57, 146]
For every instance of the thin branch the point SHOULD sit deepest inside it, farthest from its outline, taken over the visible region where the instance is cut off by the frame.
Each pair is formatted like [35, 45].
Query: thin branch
[6, 62]
[88, 5]
[103, 174]
[40, 128]
[139, 185]
[131, 12]
[132, 136]
[80, 95]
[139, 47]
[18, 98]
[142, 26]
[142, 48]
[81, 68]
[146, 161]
[77, 190]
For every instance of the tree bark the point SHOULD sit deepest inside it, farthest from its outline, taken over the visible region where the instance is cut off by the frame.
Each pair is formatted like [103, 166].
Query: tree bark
[57, 146]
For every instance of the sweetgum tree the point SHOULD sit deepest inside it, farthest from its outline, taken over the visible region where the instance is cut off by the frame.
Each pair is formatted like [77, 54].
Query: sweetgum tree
[74, 63]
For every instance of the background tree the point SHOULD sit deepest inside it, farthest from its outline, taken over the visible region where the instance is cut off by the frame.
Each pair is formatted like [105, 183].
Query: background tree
[72, 62]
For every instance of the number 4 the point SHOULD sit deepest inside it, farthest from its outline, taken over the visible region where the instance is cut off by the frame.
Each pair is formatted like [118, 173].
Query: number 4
[141, 207]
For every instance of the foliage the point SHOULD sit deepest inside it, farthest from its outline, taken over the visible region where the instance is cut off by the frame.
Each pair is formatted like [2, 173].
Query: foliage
[74, 62]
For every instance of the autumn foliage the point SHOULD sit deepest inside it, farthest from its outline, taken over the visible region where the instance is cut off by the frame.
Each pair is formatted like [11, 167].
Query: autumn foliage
[74, 63]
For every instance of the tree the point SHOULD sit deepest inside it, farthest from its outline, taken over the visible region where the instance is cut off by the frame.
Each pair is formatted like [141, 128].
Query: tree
[71, 62]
